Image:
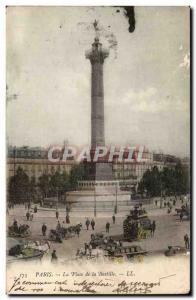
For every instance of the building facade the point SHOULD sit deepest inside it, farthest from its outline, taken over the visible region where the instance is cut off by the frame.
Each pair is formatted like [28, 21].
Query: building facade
[34, 162]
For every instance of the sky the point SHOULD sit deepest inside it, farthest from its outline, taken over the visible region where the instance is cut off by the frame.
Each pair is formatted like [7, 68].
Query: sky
[146, 76]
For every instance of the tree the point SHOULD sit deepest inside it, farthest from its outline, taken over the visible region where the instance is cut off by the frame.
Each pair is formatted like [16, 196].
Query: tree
[32, 188]
[182, 179]
[44, 184]
[77, 173]
[151, 182]
[66, 184]
[168, 181]
[18, 187]
[59, 184]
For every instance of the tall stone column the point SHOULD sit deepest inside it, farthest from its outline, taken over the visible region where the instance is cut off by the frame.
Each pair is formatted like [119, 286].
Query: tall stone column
[96, 56]
[102, 169]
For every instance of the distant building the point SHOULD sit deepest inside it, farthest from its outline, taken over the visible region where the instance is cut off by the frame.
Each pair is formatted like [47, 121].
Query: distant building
[132, 172]
[34, 161]
[186, 162]
[27, 152]
[166, 158]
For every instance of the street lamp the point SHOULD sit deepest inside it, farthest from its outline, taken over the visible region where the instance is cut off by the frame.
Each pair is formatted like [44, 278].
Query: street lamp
[14, 153]
[95, 204]
[116, 205]
[161, 200]
[57, 196]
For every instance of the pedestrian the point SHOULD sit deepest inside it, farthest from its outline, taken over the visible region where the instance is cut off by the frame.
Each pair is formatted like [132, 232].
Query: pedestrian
[35, 209]
[186, 241]
[67, 219]
[57, 214]
[58, 226]
[78, 252]
[107, 227]
[28, 215]
[54, 256]
[44, 228]
[153, 228]
[181, 216]
[31, 217]
[113, 219]
[87, 223]
[93, 224]
[90, 249]
[63, 229]
[15, 226]
[105, 241]
[77, 230]
[111, 240]
[85, 248]
[117, 244]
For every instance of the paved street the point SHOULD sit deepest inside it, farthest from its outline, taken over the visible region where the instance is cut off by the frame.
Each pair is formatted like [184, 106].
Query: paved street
[169, 229]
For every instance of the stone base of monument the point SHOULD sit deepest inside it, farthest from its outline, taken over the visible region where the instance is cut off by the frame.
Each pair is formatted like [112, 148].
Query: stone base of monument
[102, 196]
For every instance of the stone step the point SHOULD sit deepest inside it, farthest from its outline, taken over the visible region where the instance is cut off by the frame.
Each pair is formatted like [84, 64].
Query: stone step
[92, 204]
[100, 209]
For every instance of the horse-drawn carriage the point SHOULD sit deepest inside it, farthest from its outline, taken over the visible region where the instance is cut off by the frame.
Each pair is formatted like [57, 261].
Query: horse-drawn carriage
[21, 231]
[137, 225]
[126, 253]
[184, 210]
[175, 250]
[110, 248]
[97, 240]
[25, 250]
[61, 233]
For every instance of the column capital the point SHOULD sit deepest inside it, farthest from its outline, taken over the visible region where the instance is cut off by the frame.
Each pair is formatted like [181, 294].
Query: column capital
[97, 54]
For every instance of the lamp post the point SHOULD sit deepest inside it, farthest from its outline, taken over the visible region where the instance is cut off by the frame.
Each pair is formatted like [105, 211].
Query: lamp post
[14, 152]
[116, 205]
[57, 197]
[161, 200]
[95, 203]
